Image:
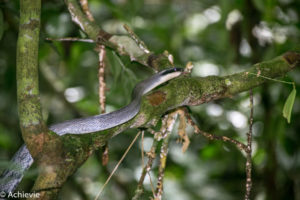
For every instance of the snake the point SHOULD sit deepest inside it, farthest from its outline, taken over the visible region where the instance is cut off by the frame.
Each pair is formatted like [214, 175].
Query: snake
[22, 160]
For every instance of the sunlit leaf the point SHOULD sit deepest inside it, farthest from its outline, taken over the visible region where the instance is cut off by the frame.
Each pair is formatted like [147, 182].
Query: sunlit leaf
[288, 106]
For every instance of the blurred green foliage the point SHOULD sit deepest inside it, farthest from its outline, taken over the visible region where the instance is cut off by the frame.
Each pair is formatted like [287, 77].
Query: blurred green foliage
[220, 37]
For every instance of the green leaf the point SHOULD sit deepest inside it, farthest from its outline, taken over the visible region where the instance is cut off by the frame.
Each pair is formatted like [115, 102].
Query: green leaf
[288, 106]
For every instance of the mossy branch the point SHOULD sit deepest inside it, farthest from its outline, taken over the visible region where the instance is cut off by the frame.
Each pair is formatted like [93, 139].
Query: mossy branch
[34, 131]
[186, 90]
[29, 106]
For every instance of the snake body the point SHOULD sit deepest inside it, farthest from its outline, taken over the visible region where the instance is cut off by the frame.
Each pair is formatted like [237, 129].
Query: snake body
[22, 159]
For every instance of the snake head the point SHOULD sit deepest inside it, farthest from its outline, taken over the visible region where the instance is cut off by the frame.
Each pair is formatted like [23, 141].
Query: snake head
[170, 73]
[174, 70]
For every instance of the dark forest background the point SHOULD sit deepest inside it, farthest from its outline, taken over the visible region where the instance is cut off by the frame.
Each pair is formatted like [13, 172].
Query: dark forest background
[220, 38]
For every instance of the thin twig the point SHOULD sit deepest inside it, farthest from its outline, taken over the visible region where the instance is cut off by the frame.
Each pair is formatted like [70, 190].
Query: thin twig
[169, 125]
[86, 10]
[240, 146]
[272, 79]
[101, 72]
[142, 149]
[137, 40]
[118, 164]
[70, 39]
[249, 151]
[151, 183]
[162, 166]
[151, 156]
[102, 96]
[102, 84]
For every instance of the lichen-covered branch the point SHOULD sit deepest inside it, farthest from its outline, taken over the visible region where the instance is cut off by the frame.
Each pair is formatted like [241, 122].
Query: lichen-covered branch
[55, 159]
[29, 106]
[34, 131]
[187, 90]
[128, 45]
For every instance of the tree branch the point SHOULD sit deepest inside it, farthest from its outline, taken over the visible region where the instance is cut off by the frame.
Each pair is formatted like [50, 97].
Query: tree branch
[182, 91]
[29, 106]
[34, 131]
[122, 44]
[188, 91]
[198, 90]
